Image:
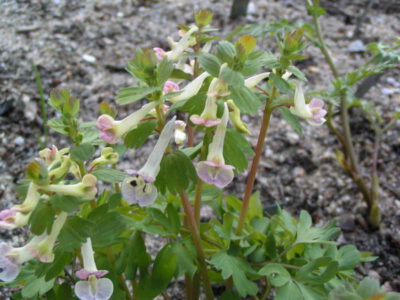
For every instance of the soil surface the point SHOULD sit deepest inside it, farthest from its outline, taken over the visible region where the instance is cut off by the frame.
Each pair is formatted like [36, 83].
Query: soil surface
[84, 45]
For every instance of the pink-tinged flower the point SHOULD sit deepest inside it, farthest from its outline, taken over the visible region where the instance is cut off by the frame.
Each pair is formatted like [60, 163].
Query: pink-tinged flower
[214, 170]
[191, 89]
[139, 188]
[111, 130]
[313, 112]
[92, 286]
[18, 215]
[49, 155]
[86, 189]
[170, 87]
[160, 53]
[11, 260]
[7, 219]
[42, 246]
[208, 117]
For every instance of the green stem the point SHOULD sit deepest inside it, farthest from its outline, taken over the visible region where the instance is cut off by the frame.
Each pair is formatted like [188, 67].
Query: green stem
[121, 279]
[197, 243]
[256, 160]
[346, 138]
[43, 109]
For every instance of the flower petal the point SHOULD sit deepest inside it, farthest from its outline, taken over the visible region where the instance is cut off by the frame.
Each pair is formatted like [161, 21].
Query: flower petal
[136, 191]
[94, 289]
[210, 173]
[9, 270]
[316, 103]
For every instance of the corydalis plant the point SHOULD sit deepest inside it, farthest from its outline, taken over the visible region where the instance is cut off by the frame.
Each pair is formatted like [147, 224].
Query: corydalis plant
[89, 215]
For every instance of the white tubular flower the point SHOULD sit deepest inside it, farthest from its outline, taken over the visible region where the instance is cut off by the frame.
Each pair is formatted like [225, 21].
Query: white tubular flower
[252, 81]
[18, 215]
[191, 89]
[111, 130]
[180, 134]
[42, 246]
[180, 47]
[214, 170]
[86, 189]
[92, 286]
[313, 112]
[139, 188]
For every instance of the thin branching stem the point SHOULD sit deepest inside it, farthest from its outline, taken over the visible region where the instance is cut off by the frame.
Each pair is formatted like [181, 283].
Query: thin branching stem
[256, 160]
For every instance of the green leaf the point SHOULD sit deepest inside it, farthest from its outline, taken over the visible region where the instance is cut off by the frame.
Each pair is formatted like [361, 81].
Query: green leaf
[135, 256]
[38, 286]
[82, 152]
[311, 273]
[237, 268]
[109, 227]
[245, 99]
[193, 105]
[348, 257]
[255, 207]
[280, 83]
[368, 288]
[163, 270]
[57, 125]
[292, 120]
[164, 71]
[277, 275]
[226, 52]
[296, 72]
[74, 233]
[65, 203]
[176, 173]
[138, 136]
[186, 262]
[309, 235]
[133, 94]
[232, 77]
[50, 271]
[236, 147]
[42, 217]
[289, 291]
[64, 292]
[210, 63]
[109, 175]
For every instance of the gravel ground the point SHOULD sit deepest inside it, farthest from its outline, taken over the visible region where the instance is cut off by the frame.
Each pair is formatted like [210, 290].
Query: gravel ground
[84, 45]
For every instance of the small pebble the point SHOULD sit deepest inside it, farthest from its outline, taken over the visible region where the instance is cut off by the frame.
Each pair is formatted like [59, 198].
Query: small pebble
[357, 46]
[19, 140]
[89, 58]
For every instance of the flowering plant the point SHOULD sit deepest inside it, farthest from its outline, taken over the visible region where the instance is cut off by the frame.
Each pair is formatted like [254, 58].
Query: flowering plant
[89, 220]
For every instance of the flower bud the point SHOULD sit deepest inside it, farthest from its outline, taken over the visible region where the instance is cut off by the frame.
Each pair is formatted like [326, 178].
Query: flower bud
[60, 172]
[86, 189]
[170, 87]
[180, 134]
[108, 157]
[234, 117]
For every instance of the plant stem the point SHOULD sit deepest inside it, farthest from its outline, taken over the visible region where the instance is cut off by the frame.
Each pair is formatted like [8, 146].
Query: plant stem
[111, 259]
[197, 243]
[199, 189]
[256, 160]
[345, 139]
[43, 108]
